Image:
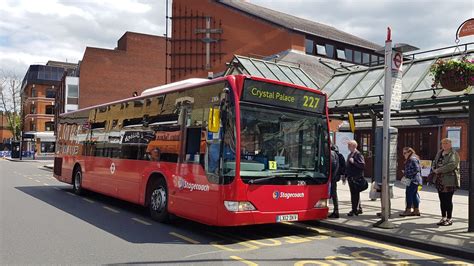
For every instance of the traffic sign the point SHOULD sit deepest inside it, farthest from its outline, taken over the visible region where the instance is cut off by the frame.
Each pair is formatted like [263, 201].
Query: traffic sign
[396, 103]
[397, 61]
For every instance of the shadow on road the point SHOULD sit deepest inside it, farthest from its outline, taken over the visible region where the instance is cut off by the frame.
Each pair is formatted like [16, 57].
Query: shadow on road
[122, 225]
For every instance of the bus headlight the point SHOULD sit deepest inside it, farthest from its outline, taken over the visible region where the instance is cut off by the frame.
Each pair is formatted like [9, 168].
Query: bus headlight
[239, 206]
[322, 203]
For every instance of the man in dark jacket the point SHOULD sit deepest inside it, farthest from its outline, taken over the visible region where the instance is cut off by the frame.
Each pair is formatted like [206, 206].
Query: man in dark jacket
[335, 177]
[354, 172]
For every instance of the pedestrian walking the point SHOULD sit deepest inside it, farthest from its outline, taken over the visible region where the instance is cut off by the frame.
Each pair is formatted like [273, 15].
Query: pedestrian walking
[446, 179]
[355, 166]
[337, 169]
[412, 173]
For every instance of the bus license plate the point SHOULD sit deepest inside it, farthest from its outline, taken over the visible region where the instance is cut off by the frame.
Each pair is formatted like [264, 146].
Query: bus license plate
[287, 218]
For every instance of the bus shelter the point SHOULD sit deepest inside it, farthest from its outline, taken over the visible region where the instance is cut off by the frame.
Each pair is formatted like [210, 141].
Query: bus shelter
[290, 73]
[362, 94]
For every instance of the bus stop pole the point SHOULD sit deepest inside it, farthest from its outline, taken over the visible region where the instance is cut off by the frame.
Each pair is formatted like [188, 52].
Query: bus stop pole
[471, 164]
[384, 222]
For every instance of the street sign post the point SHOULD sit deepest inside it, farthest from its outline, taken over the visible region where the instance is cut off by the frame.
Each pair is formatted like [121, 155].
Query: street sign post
[392, 101]
[389, 64]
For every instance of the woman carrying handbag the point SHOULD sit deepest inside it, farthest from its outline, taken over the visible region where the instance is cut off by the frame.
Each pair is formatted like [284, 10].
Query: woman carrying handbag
[413, 175]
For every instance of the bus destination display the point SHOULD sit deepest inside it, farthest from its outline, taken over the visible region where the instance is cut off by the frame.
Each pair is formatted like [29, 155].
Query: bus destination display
[282, 96]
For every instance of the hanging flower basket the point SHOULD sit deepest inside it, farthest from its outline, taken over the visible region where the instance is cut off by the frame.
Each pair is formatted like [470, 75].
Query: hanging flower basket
[453, 81]
[471, 79]
[453, 75]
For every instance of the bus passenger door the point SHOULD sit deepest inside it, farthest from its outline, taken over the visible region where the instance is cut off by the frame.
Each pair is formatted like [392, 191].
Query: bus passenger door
[195, 188]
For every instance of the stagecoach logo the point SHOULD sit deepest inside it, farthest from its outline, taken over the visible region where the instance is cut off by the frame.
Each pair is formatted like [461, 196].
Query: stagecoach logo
[276, 194]
[112, 168]
[286, 195]
[183, 184]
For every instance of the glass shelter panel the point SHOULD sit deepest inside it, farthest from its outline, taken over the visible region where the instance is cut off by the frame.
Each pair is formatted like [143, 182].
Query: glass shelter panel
[264, 69]
[413, 74]
[373, 96]
[361, 89]
[252, 70]
[292, 75]
[341, 92]
[307, 81]
[278, 72]
[333, 84]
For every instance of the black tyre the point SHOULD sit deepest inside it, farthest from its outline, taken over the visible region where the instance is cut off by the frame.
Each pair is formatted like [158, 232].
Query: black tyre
[77, 182]
[158, 201]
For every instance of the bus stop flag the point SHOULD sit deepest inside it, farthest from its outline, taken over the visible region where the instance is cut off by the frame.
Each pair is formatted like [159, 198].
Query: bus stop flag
[466, 28]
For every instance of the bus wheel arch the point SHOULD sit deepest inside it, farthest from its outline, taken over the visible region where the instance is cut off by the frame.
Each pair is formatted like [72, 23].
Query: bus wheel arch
[77, 179]
[156, 198]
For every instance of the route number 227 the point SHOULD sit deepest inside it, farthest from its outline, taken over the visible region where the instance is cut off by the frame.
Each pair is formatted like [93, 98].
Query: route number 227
[311, 102]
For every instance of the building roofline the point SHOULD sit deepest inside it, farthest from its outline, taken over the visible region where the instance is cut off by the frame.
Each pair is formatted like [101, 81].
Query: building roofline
[294, 29]
[60, 63]
[103, 49]
[144, 34]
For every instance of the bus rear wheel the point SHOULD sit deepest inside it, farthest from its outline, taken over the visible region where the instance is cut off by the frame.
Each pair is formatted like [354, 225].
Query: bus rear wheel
[77, 182]
[158, 201]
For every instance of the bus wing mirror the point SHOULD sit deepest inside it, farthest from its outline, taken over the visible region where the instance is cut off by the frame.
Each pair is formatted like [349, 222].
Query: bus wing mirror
[214, 120]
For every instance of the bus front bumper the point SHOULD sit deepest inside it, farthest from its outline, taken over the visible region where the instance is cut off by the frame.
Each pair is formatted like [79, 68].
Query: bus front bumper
[257, 217]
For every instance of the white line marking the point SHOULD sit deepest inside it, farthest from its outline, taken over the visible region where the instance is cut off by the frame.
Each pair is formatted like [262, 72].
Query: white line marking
[88, 200]
[110, 209]
[57, 188]
[72, 194]
[141, 221]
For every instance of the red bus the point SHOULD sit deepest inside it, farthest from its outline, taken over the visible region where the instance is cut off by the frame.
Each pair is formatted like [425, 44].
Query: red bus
[231, 151]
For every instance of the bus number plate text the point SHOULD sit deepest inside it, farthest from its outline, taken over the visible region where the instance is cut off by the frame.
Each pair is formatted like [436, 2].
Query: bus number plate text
[287, 218]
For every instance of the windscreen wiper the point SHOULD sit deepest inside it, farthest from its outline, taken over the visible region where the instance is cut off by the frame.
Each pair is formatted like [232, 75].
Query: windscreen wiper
[274, 176]
[260, 180]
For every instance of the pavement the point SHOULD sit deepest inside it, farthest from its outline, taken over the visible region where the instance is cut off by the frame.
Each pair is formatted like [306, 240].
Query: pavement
[415, 231]
[47, 162]
[29, 159]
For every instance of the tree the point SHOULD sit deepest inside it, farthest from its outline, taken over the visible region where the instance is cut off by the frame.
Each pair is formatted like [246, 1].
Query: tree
[10, 102]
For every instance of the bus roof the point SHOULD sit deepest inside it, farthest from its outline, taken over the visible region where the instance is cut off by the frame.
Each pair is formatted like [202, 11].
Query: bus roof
[175, 86]
[171, 86]
[186, 84]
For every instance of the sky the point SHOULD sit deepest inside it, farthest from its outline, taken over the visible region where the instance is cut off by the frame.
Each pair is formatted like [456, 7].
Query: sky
[33, 31]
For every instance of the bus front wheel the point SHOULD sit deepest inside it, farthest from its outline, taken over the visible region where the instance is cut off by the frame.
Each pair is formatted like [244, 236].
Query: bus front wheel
[77, 182]
[158, 201]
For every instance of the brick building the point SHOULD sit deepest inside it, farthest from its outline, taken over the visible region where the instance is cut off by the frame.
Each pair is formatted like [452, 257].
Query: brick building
[137, 63]
[206, 34]
[5, 133]
[38, 92]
